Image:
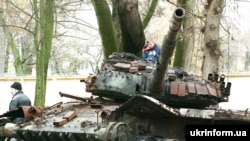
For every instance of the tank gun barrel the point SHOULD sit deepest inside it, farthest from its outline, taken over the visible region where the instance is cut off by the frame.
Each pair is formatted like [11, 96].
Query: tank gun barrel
[167, 49]
[74, 97]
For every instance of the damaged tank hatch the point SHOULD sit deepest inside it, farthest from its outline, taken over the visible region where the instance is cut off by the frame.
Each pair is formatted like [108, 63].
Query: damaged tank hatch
[131, 100]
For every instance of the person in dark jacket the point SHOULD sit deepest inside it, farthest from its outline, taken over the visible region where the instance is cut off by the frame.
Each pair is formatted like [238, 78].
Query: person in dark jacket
[18, 97]
[151, 52]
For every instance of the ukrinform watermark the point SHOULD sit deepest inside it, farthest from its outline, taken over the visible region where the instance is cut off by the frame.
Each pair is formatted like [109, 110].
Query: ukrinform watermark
[215, 132]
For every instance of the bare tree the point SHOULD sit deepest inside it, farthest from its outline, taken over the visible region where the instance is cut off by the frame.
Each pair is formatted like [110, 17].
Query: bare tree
[11, 43]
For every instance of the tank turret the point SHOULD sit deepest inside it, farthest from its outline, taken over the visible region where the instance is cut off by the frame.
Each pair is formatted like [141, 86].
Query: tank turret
[125, 75]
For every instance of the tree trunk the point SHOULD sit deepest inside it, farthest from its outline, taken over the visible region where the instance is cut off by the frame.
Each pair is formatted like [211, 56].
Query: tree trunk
[212, 51]
[185, 43]
[28, 60]
[133, 38]
[181, 44]
[11, 44]
[47, 10]
[128, 30]
[106, 27]
[16, 52]
[6, 59]
[13, 37]
[116, 23]
[189, 37]
[2, 44]
[150, 13]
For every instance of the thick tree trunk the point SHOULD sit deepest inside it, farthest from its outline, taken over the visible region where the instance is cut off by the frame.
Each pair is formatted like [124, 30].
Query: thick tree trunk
[128, 30]
[106, 27]
[47, 8]
[185, 43]
[212, 51]
[133, 38]
[117, 24]
[189, 37]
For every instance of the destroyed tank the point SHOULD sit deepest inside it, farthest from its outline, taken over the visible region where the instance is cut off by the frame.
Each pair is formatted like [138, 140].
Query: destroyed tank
[132, 100]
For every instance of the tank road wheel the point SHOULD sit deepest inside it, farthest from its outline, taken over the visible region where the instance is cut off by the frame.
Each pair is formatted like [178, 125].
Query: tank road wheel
[118, 131]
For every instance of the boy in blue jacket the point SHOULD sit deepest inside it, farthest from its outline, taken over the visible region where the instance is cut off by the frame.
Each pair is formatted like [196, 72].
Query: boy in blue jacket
[151, 52]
